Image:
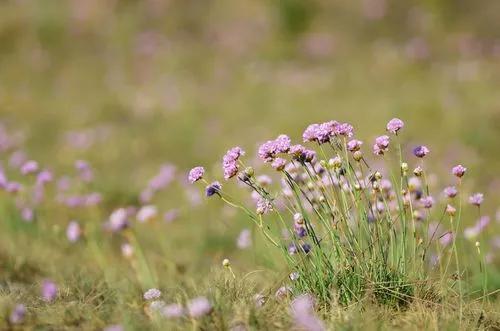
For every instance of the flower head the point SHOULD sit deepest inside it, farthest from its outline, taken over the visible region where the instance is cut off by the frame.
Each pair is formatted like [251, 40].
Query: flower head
[230, 164]
[279, 164]
[459, 170]
[152, 294]
[73, 231]
[450, 191]
[196, 174]
[395, 125]
[244, 239]
[173, 310]
[381, 145]
[147, 213]
[354, 145]
[212, 189]
[420, 151]
[476, 199]
[199, 307]
[17, 315]
[49, 291]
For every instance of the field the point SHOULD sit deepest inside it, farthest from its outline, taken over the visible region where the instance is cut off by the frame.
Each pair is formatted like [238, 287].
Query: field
[106, 106]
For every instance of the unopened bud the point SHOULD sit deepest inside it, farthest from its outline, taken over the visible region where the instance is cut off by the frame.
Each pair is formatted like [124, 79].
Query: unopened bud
[357, 155]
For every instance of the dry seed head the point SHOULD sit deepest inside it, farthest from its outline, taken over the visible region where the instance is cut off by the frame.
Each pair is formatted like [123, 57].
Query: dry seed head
[226, 263]
[418, 171]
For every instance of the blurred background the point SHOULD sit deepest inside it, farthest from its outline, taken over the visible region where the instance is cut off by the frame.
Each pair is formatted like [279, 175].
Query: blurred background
[131, 85]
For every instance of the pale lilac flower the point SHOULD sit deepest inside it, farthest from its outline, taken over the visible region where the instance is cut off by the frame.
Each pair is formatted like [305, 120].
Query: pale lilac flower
[199, 307]
[127, 250]
[152, 294]
[244, 239]
[18, 314]
[44, 177]
[296, 150]
[476, 199]
[259, 300]
[451, 191]
[93, 199]
[446, 239]
[73, 231]
[310, 133]
[74, 201]
[147, 213]
[344, 129]
[165, 176]
[421, 151]
[230, 162]
[459, 170]
[84, 170]
[196, 174]
[395, 125]
[118, 220]
[27, 214]
[475, 230]
[146, 195]
[302, 311]
[49, 291]
[354, 145]
[173, 310]
[212, 189]
[264, 206]
[13, 187]
[17, 159]
[29, 167]
[278, 164]
[3, 179]
[381, 145]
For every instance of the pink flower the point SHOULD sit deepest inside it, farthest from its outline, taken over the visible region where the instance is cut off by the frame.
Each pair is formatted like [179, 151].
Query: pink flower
[395, 125]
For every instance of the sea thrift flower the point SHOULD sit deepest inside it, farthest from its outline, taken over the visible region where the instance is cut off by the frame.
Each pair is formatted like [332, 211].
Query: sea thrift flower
[354, 145]
[118, 220]
[73, 231]
[127, 250]
[279, 164]
[18, 314]
[44, 177]
[196, 174]
[13, 187]
[476, 199]
[27, 214]
[152, 294]
[230, 162]
[115, 327]
[84, 170]
[344, 129]
[264, 206]
[395, 125]
[49, 291]
[199, 307]
[244, 239]
[475, 230]
[381, 145]
[259, 300]
[303, 314]
[147, 213]
[29, 167]
[446, 239]
[459, 170]
[451, 191]
[212, 189]
[450, 210]
[420, 151]
[173, 310]
[171, 215]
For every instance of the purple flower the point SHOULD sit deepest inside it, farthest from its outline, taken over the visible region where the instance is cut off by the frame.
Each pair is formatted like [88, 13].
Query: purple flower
[212, 189]
[427, 202]
[196, 174]
[296, 150]
[84, 170]
[44, 177]
[279, 164]
[165, 176]
[73, 231]
[381, 145]
[354, 145]
[395, 125]
[446, 239]
[264, 206]
[199, 307]
[115, 327]
[29, 167]
[17, 159]
[173, 310]
[13, 187]
[49, 291]
[147, 213]
[18, 314]
[420, 151]
[344, 129]
[93, 199]
[171, 215]
[283, 143]
[152, 294]
[476, 199]
[27, 214]
[475, 230]
[244, 239]
[303, 314]
[451, 191]
[459, 170]
[118, 220]
[230, 162]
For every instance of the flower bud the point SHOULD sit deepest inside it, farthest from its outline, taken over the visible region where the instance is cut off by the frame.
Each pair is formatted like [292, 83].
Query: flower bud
[404, 167]
[357, 155]
[249, 171]
[226, 263]
[335, 163]
[418, 171]
[377, 175]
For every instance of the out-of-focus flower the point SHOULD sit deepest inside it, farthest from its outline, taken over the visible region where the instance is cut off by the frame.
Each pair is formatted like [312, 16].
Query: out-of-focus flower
[244, 239]
[118, 220]
[170, 215]
[44, 177]
[127, 250]
[84, 170]
[152, 294]
[147, 213]
[446, 239]
[451, 191]
[427, 202]
[17, 159]
[294, 276]
[302, 311]
[381, 145]
[283, 292]
[49, 290]
[476, 199]
[27, 214]
[115, 327]
[173, 310]
[13, 187]
[395, 125]
[196, 174]
[212, 189]
[29, 167]
[475, 230]
[199, 307]
[278, 164]
[259, 300]
[459, 170]
[18, 314]
[73, 231]
[421, 151]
